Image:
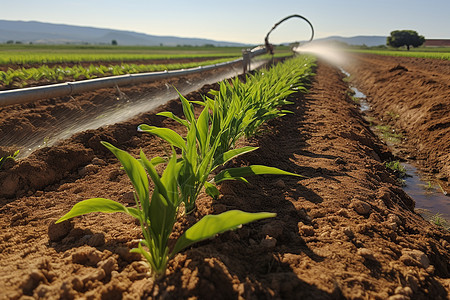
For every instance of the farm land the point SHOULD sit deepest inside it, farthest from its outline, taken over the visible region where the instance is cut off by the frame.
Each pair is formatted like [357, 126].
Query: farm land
[32, 65]
[344, 230]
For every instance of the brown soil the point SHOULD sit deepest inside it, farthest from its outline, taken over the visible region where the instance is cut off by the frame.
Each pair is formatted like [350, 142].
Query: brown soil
[346, 230]
[413, 96]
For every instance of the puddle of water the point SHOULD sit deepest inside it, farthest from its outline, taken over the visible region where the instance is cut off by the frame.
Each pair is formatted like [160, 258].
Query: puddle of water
[362, 100]
[344, 72]
[427, 193]
[430, 199]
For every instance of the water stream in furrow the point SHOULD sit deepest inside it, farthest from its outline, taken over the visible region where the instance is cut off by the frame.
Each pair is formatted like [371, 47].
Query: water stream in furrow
[432, 202]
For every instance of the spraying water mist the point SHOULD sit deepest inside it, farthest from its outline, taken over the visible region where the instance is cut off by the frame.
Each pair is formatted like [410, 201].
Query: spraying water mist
[331, 52]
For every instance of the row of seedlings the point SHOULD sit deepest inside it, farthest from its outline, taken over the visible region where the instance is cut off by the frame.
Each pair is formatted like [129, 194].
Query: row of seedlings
[237, 109]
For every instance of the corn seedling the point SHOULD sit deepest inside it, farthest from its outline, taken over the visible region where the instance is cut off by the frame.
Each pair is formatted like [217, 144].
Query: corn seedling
[158, 216]
[393, 115]
[237, 109]
[438, 220]
[428, 187]
[4, 158]
[397, 168]
[389, 134]
[198, 162]
[243, 107]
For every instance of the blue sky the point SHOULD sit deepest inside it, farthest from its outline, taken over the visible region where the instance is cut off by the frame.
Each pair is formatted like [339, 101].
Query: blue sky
[241, 21]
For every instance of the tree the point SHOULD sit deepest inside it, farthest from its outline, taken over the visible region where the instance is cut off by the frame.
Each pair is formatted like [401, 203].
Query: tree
[114, 42]
[399, 38]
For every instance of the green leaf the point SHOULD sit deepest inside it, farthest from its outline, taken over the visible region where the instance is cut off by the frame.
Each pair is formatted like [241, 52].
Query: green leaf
[166, 134]
[134, 170]
[191, 146]
[199, 102]
[234, 173]
[135, 213]
[211, 190]
[202, 130]
[169, 180]
[153, 175]
[188, 109]
[164, 202]
[211, 225]
[223, 158]
[95, 205]
[145, 254]
[284, 111]
[158, 160]
[170, 115]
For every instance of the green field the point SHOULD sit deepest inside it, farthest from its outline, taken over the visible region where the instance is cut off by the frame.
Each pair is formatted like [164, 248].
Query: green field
[21, 77]
[436, 53]
[103, 60]
[41, 54]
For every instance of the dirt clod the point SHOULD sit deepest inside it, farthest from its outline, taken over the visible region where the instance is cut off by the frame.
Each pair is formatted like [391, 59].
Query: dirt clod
[87, 256]
[268, 242]
[361, 207]
[415, 258]
[96, 240]
[57, 232]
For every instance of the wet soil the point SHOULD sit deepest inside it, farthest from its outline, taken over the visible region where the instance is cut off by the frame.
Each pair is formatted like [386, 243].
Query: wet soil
[412, 95]
[346, 230]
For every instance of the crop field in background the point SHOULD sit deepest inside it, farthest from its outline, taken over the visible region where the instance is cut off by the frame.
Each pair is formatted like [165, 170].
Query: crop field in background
[22, 77]
[28, 65]
[30, 54]
[437, 53]
[41, 54]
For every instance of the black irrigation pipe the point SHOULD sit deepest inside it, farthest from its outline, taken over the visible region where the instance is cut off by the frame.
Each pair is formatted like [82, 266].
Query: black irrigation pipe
[266, 39]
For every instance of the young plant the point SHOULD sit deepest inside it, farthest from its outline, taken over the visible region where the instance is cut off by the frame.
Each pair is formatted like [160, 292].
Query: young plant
[158, 215]
[237, 109]
[393, 115]
[397, 167]
[4, 158]
[201, 154]
[439, 220]
[389, 134]
[428, 187]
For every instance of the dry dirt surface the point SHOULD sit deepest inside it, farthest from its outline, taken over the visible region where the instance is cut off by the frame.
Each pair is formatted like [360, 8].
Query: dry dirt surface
[345, 230]
[413, 96]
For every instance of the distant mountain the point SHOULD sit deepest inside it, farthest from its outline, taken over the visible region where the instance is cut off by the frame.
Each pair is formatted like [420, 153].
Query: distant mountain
[46, 33]
[358, 40]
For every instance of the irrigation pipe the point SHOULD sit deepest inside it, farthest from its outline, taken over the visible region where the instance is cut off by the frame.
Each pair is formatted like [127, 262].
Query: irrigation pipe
[266, 40]
[27, 95]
